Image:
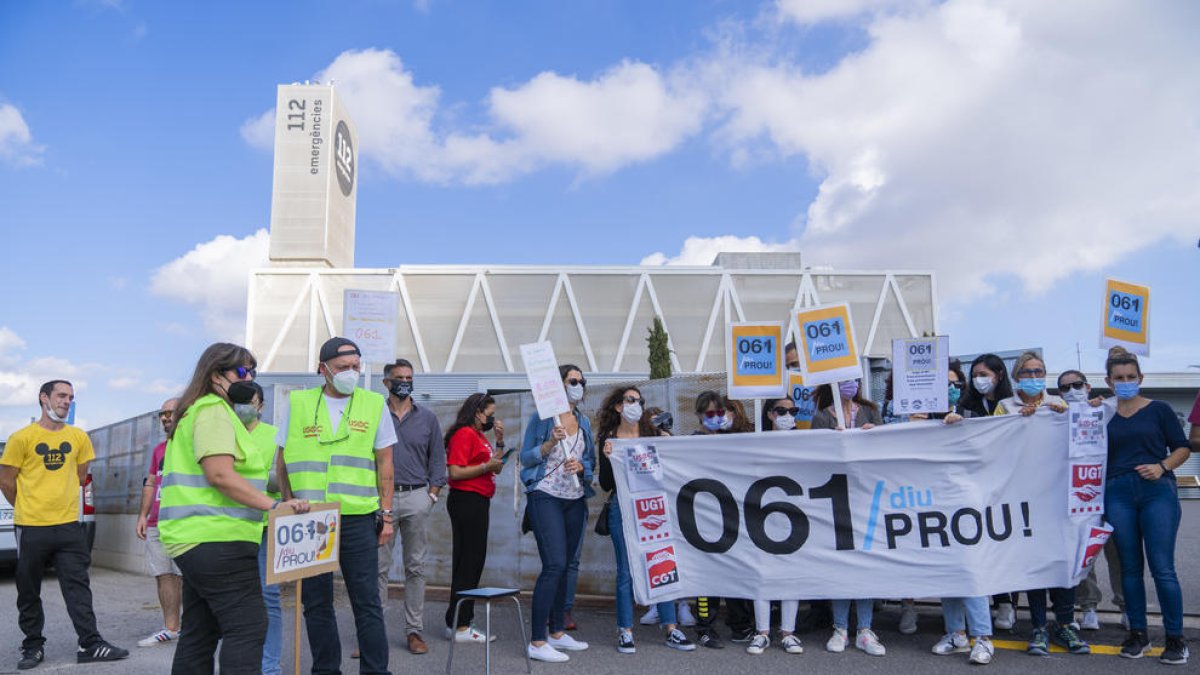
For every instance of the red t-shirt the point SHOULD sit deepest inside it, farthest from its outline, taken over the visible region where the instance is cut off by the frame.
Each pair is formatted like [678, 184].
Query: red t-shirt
[156, 469]
[468, 447]
[1194, 418]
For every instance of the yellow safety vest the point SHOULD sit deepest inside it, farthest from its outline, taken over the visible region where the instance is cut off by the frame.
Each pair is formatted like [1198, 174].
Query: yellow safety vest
[263, 437]
[338, 466]
[192, 511]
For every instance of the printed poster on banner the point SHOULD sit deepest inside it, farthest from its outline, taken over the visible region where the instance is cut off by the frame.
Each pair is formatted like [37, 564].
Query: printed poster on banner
[544, 381]
[369, 318]
[643, 468]
[804, 398]
[828, 352]
[653, 521]
[1086, 496]
[1098, 536]
[301, 545]
[920, 368]
[756, 367]
[1089, 430]
[662, 570]
[1126, 317]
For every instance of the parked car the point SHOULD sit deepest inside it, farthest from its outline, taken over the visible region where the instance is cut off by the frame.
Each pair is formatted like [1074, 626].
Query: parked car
[87, 510]
[8, 537]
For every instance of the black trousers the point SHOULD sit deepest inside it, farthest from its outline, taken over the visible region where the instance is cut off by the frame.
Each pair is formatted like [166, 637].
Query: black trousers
[222, 603]
[66, 547]
[469, 526]
[739, 614]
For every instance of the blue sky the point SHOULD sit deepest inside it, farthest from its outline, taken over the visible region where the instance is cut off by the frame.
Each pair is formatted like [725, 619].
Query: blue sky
[1023, 153]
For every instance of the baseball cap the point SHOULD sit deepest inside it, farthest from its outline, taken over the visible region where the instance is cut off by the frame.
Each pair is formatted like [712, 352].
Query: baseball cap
[333, 348]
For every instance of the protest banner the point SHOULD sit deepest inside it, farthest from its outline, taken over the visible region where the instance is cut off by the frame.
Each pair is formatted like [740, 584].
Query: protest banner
[909, 510]
[1126, 317]
[755, 368]
[804, 397]
[920, 375]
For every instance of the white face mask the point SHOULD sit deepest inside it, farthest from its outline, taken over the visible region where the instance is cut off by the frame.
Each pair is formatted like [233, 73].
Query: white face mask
[574, 393]
[785, 422]
[632, 412]
[983, 384]
[345, 382]
[54, 416]
[1075, 395]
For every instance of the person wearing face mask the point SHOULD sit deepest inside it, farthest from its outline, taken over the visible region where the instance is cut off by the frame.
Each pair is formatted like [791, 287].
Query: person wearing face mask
[569, 436]
[717, 414]
[473, 466]
[162, 568]
[860, 413]
[622, 415]
[336, 446]
[1073, 387]
[211, 515]
[419, 459]
[1141, 501]
[779, 415]
[556, 468]
[43, 466]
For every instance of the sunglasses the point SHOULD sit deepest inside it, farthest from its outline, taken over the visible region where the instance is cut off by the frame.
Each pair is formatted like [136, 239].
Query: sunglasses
[165, 414]
[574, 381]
[719, 412]
[1072, 385]
[1031, 372]
[632, 400]
[957, 385]
[780, 410]
[243, 372]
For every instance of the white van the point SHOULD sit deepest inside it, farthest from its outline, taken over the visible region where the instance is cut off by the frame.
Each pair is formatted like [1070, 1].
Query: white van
[8, 537]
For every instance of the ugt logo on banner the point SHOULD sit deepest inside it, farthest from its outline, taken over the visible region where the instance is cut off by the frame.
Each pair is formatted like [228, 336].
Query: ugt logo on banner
[653, 524]
[1087, 489]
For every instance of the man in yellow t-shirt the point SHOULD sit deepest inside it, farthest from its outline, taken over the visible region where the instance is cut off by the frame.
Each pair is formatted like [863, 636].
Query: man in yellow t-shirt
[41, 471]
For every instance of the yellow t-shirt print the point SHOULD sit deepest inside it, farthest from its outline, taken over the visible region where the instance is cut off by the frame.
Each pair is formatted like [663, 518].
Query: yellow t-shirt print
[48, 476]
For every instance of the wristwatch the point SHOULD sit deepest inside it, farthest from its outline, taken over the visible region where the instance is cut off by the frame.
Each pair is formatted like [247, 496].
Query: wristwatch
[499, 444]
[1164, 468]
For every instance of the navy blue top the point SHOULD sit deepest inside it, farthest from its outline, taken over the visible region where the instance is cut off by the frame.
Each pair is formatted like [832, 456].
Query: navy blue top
[1147, 437]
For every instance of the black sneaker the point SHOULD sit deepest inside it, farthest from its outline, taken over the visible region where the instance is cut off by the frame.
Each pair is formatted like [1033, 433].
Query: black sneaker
[677, 640]
[32, 656]
[744, 635]
[625, 643]
[710, 639]
[101, 651]
[1175, 653]
[1136, 644]
[1065, 636]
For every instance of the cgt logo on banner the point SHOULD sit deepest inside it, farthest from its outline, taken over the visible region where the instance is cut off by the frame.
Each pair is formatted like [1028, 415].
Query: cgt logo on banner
[904, 510]
[1098, 536]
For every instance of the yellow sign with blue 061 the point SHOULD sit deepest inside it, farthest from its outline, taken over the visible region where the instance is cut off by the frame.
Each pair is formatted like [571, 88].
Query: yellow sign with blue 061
[755, 360]
[1126, 318]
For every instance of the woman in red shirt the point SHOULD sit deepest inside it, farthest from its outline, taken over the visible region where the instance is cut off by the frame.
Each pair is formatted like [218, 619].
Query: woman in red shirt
[473, 466]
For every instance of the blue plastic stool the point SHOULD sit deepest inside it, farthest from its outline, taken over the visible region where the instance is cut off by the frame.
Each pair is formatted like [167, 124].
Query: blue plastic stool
[487, 595]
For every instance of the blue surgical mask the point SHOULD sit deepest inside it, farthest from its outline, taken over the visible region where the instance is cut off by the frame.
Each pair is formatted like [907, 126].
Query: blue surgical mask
[954, 393]
[1032, 386]
[1126, 390]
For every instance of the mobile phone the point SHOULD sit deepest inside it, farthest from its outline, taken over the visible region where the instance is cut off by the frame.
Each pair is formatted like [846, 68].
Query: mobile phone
[504, 457]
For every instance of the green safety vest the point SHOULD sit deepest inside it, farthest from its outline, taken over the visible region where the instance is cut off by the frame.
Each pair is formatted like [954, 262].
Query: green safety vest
[191, 510]
[263, 437]
[338, 466]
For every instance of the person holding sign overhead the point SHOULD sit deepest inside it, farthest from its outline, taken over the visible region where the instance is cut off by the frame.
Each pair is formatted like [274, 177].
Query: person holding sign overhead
[556, 469]
[211, 515]
[336, 443]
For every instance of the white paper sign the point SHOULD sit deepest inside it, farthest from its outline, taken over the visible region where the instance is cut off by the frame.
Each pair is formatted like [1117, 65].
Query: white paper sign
[1089, 430]
[302, 545]
[920, 377]
[544, 381]
[369, 318]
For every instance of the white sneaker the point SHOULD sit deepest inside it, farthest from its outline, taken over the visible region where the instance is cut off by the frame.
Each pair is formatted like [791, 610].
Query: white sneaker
[982, 652]
[869, 643]
[838, 641]
[160, 638]
[683, 612]
[650, 618]
[625, 643]
[470, 635]
[1006, 616]
[952, 643]
[758, 644]
[566, 643]
[547, 653]
[908, 619]
[791, 644]
[1089, 620]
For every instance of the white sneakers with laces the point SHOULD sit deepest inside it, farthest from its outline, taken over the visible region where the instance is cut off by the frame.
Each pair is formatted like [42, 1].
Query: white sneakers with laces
[162, 637]
[566, 643]
[684, 613]
[868, 642]
[547, 653]
[1006, 616]
[758, 644]
[983, 651]
[650, 618]
[791, 644]
[1089, 620]
[469, 636]
[952, 643]
[838, 641]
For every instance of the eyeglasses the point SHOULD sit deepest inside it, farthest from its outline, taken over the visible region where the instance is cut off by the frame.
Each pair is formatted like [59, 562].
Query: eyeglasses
[1072, 385]
[1031, 372]
[165, 414]
[345, 415]
[719, 412]
[632, 400]
[957, 385]
[574, 381]
[243, 372]
[780, 410]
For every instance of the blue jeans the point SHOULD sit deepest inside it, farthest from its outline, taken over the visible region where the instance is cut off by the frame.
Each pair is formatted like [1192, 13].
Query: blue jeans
[865, 609]
[666, 610]
[573, 573]
[1146, 513]
[971, 614]
[273, 647]
[360, 570]
[558, 527]
[1061, 599]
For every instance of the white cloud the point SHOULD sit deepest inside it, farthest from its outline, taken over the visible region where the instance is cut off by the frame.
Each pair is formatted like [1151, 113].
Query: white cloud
[816, 11]
[703, 250]
[17, 146]
[981, 138]
[214, 277]
[629, 113]
[21, 376]
[137, 382]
